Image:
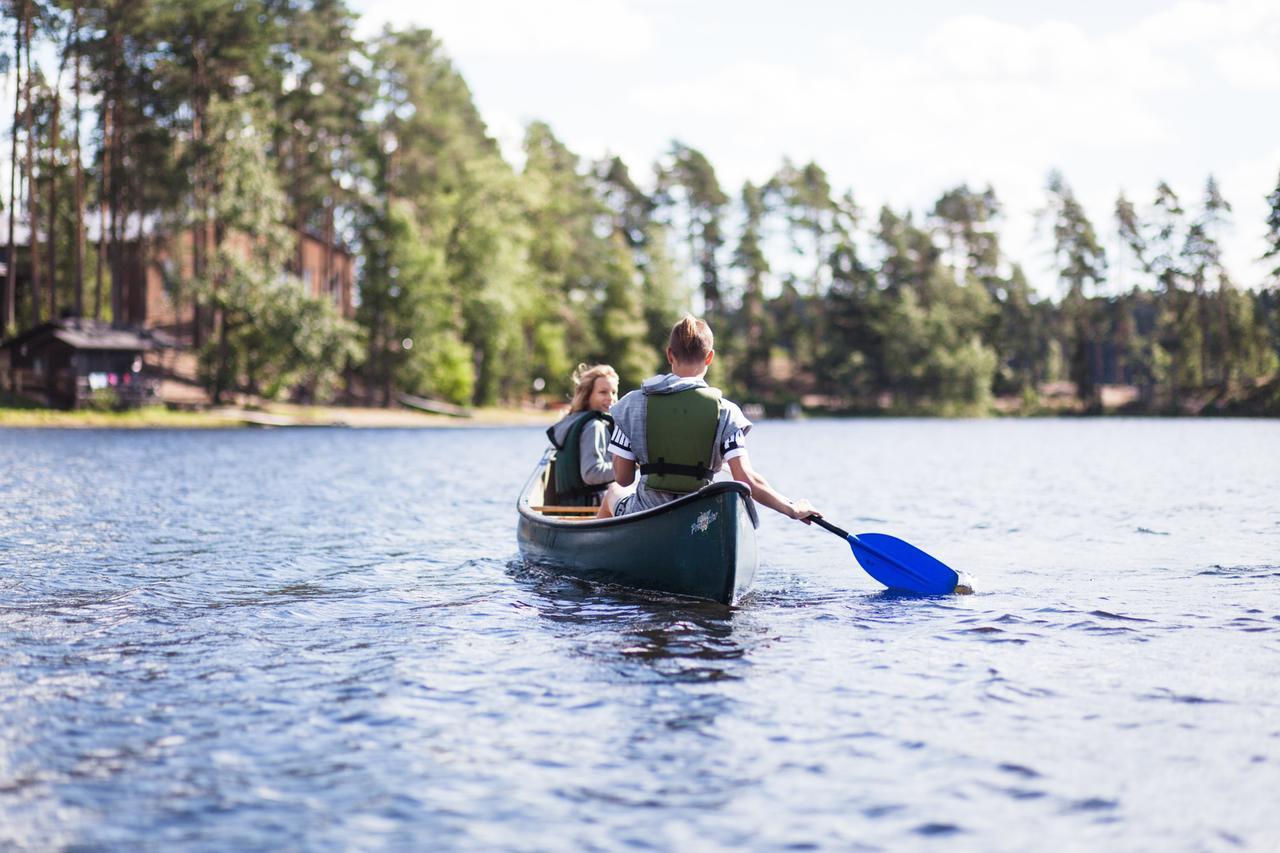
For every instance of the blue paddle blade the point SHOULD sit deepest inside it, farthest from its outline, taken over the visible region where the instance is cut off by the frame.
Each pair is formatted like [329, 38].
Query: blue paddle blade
[901, 565]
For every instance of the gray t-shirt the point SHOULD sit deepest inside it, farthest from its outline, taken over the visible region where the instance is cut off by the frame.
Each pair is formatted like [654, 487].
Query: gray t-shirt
[629, 439]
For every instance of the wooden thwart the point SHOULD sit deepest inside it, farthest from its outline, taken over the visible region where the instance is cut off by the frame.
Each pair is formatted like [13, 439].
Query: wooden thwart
[566, 510]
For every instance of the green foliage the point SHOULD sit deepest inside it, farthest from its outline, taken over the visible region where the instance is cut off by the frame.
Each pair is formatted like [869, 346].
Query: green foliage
[274, 339]
[412, 313]
[1081, 263]
[1081, 260]
[663, 296]
[433, 152]
[689, 191]
[621, 321]
[569, 262]
[318, 107]
[749, 258]
[937, 360]
[1273, 231]
[271, 337]
[815, 223]
[102, 400]
[966, 218]
[225, 122]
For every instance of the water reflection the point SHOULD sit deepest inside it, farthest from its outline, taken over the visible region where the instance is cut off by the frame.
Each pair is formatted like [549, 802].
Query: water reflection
[675, 638]
[673, 668]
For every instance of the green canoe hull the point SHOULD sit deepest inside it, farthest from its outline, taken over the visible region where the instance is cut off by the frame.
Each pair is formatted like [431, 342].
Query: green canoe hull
[703, 545]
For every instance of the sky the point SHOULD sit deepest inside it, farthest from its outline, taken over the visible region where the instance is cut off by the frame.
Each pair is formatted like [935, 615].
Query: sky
[897, 101]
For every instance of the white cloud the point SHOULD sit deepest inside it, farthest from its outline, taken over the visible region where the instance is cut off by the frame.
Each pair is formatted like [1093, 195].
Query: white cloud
[1241, 37]
[990, 90]
[980, 100]
[1253, 66]
[601, 30]
[1198, 22]
[1175, 95]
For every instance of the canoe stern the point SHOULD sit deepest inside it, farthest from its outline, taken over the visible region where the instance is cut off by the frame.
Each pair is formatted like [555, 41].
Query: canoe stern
[703, 545]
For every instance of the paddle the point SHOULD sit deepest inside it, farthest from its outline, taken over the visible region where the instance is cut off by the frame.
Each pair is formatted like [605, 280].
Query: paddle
[896, 564]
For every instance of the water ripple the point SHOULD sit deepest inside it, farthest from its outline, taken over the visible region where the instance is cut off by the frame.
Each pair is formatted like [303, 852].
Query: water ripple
[349, 654]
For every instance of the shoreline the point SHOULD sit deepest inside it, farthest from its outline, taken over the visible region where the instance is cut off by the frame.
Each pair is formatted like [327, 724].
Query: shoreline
[271, 416]
[290, 416]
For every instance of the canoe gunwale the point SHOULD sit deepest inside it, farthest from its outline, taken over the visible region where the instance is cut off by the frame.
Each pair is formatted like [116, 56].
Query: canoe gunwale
[525, 505]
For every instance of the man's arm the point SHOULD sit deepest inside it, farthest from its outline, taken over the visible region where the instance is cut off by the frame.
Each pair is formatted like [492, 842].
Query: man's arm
[624, 470]
[624, 461]
[740, 467]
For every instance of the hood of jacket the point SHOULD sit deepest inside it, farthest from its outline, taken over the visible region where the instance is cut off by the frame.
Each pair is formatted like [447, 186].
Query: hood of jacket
[560, 429]
[669, 383]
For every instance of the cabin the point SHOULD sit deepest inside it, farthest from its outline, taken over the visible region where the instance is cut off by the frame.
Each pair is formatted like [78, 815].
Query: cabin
[74, 361]
[67, 362]
[150, 269]
[147, 268]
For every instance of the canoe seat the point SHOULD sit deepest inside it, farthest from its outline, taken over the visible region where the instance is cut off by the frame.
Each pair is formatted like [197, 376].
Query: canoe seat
[567, 510]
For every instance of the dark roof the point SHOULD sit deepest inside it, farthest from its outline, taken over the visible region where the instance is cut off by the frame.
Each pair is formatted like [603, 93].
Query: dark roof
[85, 334]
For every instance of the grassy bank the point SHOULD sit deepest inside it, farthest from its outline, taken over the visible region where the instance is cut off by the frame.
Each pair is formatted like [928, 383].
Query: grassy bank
[273, 415]
[150, 416]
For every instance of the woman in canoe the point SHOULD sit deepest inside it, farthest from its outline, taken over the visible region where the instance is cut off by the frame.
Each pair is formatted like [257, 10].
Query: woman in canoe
[679, 432]
[583, 469]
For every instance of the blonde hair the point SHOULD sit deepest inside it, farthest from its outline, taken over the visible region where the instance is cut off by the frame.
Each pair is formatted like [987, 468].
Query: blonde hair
[584, 382]
[691, 339]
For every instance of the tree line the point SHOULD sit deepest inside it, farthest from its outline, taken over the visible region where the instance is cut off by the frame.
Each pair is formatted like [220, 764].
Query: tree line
[217, 125]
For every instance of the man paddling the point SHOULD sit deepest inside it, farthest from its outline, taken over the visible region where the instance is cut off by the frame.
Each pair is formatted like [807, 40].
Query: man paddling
[679, 432]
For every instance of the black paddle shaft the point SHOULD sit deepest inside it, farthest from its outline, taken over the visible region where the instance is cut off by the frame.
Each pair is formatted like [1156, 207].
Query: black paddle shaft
[829, 526]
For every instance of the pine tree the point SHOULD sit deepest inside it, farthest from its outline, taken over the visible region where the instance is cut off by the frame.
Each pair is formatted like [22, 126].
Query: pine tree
[412, 316]
[1273, 232]
[851, 352]
[569, 260]
[8, 304]
[268, 334]
[966, 218]
[318, 120]
[663, 296]
[930, 326]
[1081, 264]
[1177, 332]
[803, 197]
[749, 258]
[1202, 257]
[688, 187]
[621, 321]
[434, 152]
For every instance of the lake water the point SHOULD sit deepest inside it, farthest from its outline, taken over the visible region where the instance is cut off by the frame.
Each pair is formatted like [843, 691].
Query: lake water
[323, 639]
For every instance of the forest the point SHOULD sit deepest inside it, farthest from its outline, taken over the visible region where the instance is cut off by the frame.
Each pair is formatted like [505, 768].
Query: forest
[483, 281]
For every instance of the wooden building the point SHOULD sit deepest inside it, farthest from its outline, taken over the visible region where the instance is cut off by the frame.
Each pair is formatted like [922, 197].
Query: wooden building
[155, 329]
[66, 362]
[149, 271]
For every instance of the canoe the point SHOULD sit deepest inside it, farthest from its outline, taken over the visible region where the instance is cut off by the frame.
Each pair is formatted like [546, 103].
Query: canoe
[702, 545]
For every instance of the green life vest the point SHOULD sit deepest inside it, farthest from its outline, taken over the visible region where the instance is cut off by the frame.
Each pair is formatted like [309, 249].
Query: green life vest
[680, 437]
[569, 486]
